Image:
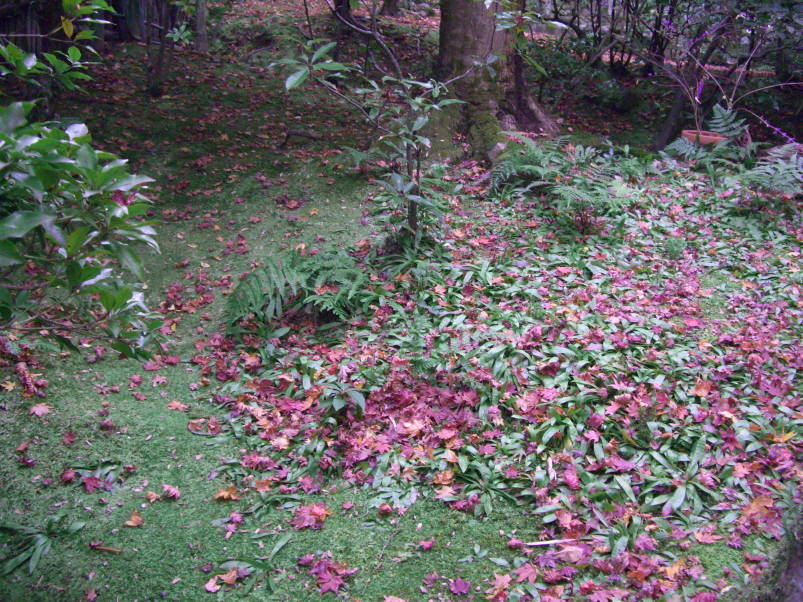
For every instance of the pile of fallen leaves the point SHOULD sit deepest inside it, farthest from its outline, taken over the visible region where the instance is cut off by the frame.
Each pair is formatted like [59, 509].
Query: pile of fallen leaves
[633, 399]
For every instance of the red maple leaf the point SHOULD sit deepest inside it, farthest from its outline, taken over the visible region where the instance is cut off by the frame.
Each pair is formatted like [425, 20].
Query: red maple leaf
[91, 483]
[171, 491]
[310, 517]
[459, 587]
[329, 582]
[527, 572]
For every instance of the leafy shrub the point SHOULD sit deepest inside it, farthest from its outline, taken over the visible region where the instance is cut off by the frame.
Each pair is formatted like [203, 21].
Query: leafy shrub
[71, 215]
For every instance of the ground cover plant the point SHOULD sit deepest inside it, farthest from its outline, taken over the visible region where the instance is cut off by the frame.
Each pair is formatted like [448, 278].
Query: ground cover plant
[578, 380]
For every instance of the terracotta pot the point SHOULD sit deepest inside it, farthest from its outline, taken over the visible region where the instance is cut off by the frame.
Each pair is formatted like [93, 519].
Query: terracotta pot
[703, 137]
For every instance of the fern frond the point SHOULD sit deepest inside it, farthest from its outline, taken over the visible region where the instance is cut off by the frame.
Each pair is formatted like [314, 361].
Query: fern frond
[687, 150]
[776, 173]
[726, 123]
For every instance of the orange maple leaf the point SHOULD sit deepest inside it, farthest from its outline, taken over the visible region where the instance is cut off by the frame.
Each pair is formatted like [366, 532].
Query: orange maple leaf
[135, 520]
[702, 388]
[230, 493]
[706, 537]
[178, 406]
[760, 506]
[230, 577]
[263, 485]
[674, 569]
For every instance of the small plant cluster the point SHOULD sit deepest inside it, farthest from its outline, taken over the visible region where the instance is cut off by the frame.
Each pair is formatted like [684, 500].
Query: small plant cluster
[331, 282]
[31, 545]
[734, 162]
[579, 184]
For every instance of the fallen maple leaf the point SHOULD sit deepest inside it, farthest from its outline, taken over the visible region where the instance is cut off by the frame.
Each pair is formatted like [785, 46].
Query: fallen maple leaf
[40, 409]
[759, 506]
[459, 587]
[329, 582]
[230, 493]
[498, 590]
[212, 585]
[152, 497]
[136, 520]
[672, 571]
[262, 485]
[178, 406]
[701, 388]
[230, 577]
[570, 554]
[426, 544]
[310, 517]
[526, 572]
[91, 483]
[171, 491]
[706, 537]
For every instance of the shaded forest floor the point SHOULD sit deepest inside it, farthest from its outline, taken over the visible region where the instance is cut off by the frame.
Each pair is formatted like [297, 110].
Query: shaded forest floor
[635, 387]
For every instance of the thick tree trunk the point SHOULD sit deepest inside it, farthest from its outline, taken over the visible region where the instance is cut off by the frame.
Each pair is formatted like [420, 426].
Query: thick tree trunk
[468, 36]
[343, 9]
[390, 8]
[672, 123]
[201, 37]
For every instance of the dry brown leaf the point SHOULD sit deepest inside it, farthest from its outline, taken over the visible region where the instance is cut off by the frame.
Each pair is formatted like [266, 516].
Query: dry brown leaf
[230, 493]
[135, 520]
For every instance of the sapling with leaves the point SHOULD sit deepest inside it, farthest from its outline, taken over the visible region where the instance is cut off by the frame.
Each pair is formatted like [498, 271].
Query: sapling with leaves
[396, 108]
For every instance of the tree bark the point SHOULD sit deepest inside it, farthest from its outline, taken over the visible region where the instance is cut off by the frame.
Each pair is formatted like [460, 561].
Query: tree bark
[201, 37]
[343, 9]
[390, 8]
[468, 36]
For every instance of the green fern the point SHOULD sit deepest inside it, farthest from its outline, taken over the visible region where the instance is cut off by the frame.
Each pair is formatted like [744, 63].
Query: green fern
[726, 123]
[686, 150]
[330, 282]
[528, 164]
[781, 171]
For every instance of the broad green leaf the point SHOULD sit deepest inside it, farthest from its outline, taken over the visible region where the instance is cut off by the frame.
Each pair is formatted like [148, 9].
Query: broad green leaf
[677, 499]
[13, 116]
[331, 66]
[323, 50]
[9, 255]
[19, 223]
[296, 79]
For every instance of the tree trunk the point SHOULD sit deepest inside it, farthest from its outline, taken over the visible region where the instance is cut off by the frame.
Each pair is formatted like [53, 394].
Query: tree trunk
[390, 8]
[468, 35]
[343, 9]
[672, 123]
[201, 38]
